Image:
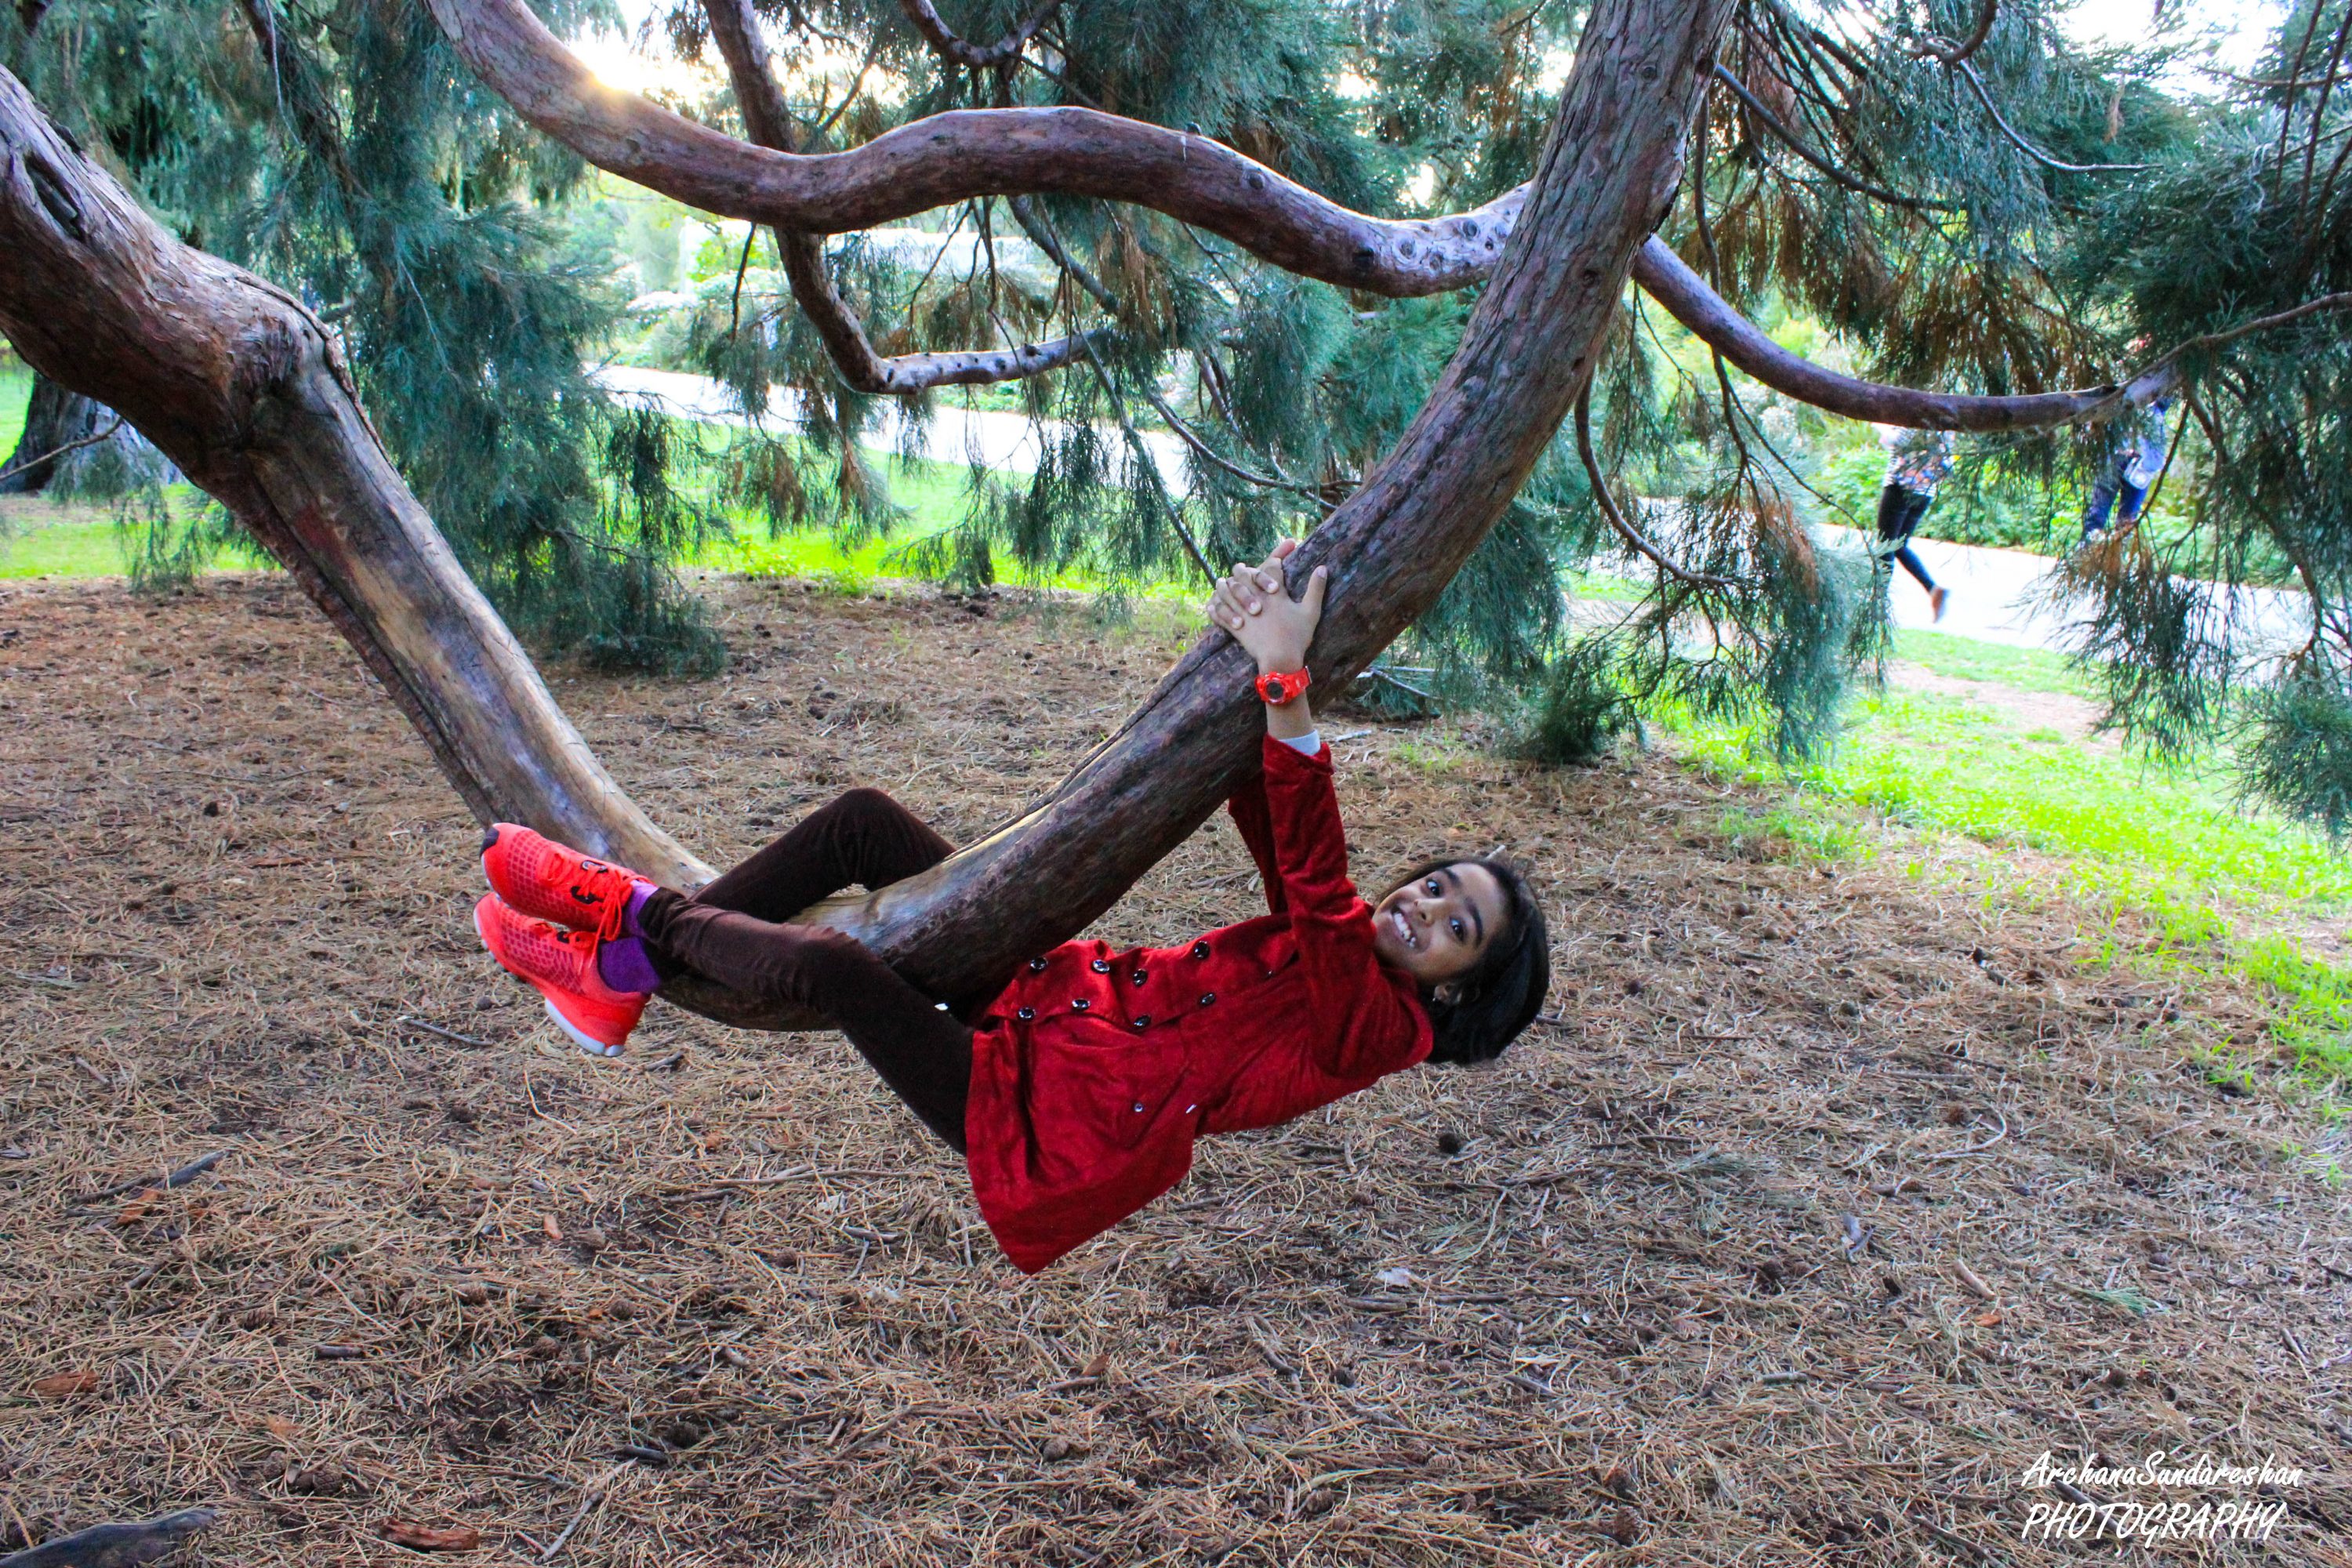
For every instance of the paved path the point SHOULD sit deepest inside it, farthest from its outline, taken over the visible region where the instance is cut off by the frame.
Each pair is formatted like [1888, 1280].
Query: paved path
[1996, 594]
[954, 434]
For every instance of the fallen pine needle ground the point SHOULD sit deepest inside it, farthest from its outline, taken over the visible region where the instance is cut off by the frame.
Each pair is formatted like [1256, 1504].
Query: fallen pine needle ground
[1822, 1205]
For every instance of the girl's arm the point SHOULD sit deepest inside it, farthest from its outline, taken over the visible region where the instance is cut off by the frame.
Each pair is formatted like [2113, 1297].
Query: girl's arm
[1252, 602]
[1366, 1021]
[1364, 1025]
[1239, 597]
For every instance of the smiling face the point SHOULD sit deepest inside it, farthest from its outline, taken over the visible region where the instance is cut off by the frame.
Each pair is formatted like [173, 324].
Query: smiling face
[1436, 927]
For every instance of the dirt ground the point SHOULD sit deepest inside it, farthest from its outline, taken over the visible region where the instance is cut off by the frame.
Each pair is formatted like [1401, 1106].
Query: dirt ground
[1825, 1201]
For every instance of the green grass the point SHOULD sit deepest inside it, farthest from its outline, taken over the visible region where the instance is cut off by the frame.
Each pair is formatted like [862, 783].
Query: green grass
[1950, 764]
[72, 541]
[16, 391]
[76, 542]
[1965, 659]
[2203, 874]
[932, 498]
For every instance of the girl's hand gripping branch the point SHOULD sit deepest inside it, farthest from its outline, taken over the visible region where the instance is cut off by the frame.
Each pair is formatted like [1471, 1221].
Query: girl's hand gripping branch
[1252, 603]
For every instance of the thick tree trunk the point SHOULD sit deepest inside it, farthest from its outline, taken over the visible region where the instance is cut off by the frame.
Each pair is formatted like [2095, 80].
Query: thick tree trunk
[241, 387]
[55, 420]
[232, 380]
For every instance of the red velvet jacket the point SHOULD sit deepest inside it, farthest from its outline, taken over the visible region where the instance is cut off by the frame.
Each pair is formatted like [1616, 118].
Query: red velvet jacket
[1096, 1068]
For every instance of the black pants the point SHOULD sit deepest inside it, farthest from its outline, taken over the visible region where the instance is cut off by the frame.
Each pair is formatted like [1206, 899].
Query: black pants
[732, 933]
[1899, 512]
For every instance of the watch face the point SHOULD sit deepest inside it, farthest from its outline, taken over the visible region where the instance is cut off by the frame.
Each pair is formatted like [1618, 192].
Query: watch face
[1276, 691]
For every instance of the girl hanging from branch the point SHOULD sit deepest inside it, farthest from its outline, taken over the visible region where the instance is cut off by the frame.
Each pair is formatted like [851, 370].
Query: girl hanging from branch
[1077, 1092]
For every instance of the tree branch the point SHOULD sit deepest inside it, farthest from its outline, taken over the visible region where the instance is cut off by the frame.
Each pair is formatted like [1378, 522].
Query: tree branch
[964, 153]
[956, 51]
[1686, 297]
[2337, 301]
[736, 30]
[1968, 74]
[54, 452]
[243, 388]
[1959, 53]
[1042, 235]
[1635, 539]
[1138, 452]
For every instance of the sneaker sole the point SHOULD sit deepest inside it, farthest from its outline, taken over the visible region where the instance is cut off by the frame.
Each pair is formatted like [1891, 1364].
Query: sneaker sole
[593, 1047]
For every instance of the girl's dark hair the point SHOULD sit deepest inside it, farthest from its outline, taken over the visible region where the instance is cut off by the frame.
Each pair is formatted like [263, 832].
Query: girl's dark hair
[1504, 990]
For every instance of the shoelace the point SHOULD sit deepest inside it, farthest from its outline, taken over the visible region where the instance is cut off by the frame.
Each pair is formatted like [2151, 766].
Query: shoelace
[611, 886]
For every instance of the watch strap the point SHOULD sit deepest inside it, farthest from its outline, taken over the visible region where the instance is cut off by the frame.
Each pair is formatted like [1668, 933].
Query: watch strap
[1281, 688]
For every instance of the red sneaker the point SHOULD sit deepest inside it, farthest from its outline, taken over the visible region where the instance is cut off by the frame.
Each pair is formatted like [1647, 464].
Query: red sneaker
[561, 965]
[542, 879]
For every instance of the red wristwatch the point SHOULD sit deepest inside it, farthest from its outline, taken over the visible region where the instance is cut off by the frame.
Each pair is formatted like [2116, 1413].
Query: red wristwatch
[1280, 689]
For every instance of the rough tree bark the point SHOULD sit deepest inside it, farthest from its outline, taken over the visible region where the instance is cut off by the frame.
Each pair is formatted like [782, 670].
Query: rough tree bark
[240, 386]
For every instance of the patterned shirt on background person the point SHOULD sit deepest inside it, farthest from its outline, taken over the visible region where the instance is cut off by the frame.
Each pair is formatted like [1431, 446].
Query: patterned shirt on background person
[1918, 460]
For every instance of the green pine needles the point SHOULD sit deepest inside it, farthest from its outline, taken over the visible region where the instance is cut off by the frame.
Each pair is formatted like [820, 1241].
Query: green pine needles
[1926, 192]
[344, 156]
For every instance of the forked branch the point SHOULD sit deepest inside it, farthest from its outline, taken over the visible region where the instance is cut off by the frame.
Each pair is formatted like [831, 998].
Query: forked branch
[238, 385]
[736, 30]
[946, 158]
[950, 157]
[978, 56]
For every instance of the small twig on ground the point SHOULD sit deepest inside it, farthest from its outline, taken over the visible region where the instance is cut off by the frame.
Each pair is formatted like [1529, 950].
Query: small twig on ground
[595, 1495]
[179, 1178]
[445, 1034]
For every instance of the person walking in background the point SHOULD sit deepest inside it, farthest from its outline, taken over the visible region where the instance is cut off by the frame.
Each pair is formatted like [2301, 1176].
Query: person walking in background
[1916, 464]
[2144, 440]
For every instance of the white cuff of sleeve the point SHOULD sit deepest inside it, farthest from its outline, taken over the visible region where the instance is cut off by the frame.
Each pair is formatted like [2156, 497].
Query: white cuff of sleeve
[1310, 743]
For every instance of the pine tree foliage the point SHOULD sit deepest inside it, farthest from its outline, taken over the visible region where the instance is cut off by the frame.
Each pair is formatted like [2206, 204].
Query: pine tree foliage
[1976, 209]
[342, 153]
[1959, 194]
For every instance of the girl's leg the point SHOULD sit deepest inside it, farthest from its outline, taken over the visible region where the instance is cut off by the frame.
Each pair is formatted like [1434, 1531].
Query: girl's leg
[923, 1053]
[1910, 560]
[864, 837]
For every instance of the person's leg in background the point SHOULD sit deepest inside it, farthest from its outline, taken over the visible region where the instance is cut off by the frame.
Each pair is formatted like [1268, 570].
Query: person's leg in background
[2130, 498]
[1899, 512]
[2102, 503]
